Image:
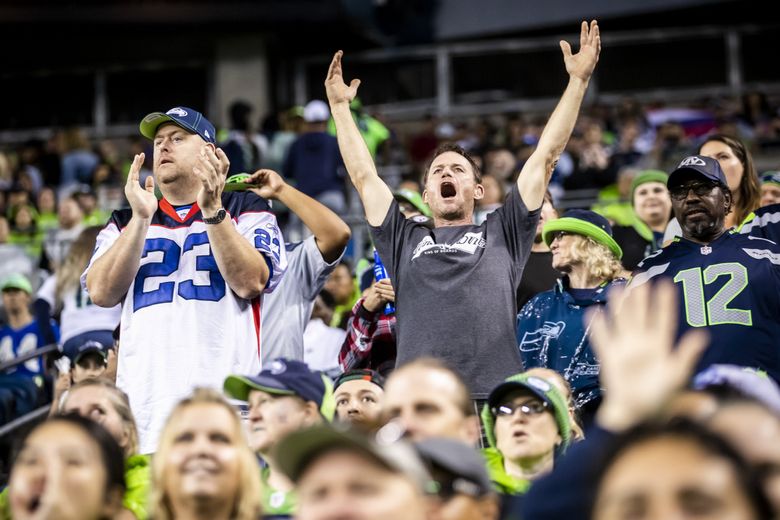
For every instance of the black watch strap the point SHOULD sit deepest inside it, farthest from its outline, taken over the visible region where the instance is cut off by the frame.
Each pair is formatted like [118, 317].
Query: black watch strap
[216, 219]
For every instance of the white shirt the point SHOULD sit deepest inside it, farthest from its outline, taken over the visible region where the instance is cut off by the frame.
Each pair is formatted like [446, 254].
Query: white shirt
[287, 310]
[321, 346]
[182, 326]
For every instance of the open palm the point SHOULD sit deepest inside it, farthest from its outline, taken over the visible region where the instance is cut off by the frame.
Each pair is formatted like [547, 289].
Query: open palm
[581, 65]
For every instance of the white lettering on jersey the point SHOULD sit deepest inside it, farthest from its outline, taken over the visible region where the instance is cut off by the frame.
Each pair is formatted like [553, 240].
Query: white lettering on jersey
[469, 243]
[763, 254]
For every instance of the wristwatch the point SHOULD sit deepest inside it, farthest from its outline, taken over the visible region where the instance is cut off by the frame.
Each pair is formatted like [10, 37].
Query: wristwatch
[216, 219]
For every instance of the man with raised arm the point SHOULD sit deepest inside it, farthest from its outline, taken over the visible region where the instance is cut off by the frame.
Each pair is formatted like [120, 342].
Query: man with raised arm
[189, 270]
[456, 283]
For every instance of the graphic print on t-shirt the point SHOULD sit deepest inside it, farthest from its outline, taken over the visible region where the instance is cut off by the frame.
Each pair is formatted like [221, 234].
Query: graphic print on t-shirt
[469, 243]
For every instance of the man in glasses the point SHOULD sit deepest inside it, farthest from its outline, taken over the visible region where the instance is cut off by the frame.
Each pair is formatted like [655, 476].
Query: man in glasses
[728, 283]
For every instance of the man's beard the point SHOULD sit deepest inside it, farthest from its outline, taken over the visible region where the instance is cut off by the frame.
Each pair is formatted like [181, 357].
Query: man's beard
[538, 238]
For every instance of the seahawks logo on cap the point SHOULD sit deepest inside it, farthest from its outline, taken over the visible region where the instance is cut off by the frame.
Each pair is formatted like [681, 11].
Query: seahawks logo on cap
[178, 111]
[692, 161]
[278, 367]
[539, 384]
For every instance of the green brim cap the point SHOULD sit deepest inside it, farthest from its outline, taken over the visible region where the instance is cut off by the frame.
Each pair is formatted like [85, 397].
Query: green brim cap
[238, 387]
[581, 227]
[538, 386]
[413, 198]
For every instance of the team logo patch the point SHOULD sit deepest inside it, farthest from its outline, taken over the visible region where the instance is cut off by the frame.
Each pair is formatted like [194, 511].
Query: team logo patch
[692, 161]
[178, 111]
[278, 367]
[706, 250]
[539, 384]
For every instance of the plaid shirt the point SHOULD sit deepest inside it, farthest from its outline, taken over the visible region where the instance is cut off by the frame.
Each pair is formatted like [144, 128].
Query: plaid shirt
[366, 330]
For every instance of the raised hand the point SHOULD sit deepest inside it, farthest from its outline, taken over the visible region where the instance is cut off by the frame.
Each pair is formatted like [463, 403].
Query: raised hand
[266, 183]
[641, 367]
[581, 65]
[211, 169]
[142, 201]
[337, 90]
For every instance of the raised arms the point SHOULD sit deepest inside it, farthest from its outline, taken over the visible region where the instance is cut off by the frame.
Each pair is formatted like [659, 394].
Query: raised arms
[535, 175]
[374, 193]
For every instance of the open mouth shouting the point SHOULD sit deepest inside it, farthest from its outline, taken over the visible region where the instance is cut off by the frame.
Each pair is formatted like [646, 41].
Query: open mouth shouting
[447, 190]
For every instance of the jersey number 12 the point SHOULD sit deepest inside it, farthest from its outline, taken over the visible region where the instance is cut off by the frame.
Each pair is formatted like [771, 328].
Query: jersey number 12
[715, 311]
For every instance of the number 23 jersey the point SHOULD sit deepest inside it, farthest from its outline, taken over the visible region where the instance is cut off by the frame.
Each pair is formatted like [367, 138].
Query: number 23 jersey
[182, 326]
[731, 287]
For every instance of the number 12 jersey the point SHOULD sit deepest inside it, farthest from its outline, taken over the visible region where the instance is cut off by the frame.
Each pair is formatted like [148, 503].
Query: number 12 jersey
[731, 287]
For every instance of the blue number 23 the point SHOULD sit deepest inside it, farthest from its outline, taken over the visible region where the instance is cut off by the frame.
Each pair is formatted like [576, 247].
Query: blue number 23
[171, 259]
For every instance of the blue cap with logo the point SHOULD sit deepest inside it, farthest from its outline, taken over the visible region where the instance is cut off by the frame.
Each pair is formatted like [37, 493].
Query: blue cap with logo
[87, 348]
[286, 377]
[706, 167]
[184, 117]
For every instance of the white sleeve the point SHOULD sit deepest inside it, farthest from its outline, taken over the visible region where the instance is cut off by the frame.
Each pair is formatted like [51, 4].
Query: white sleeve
[105, 239]
[47, 290]
[673, 229]
[262, 231]
[314, 269]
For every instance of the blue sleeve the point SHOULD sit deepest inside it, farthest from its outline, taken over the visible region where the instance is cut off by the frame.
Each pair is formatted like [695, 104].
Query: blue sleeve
[568, 491]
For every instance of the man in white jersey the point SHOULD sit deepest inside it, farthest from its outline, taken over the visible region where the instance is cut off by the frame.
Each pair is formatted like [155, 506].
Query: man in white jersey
[190, 271]
[287, 310]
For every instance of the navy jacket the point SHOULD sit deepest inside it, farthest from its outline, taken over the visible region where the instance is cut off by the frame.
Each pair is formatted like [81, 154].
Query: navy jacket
[551, 333]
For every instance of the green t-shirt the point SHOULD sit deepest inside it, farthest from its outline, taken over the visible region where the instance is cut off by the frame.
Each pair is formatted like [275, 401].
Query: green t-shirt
[276, 502]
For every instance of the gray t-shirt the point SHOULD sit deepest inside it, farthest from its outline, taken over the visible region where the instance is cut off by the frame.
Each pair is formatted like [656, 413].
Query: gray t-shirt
[455, 289]
[287, 310]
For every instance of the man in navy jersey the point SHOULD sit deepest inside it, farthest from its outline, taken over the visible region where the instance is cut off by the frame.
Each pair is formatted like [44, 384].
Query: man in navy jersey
[727, 282]
[190, 271]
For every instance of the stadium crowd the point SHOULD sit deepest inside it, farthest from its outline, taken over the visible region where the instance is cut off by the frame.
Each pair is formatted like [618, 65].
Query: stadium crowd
[217, 355]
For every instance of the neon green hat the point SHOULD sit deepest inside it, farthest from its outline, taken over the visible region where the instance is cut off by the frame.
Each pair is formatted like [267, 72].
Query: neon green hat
[16, 281]
[583, 222]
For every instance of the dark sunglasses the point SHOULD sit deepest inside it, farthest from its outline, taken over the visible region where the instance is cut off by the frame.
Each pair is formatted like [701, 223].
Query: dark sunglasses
[700, 189]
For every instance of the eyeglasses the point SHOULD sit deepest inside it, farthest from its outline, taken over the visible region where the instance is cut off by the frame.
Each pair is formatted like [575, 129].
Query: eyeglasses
[530, 408]
[559, 235]
[699, 189]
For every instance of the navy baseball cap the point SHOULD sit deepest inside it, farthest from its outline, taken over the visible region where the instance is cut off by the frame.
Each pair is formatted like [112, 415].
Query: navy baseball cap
[87, 348]
[706, 167]
[187, 118]
[583, 222]
[286, 377]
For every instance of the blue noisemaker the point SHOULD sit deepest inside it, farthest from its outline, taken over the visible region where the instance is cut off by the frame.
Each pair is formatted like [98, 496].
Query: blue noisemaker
[380, 273]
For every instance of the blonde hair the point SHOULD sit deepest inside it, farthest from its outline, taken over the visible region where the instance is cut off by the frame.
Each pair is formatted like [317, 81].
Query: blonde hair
[558, 381]
[599, 261]
[121, 404]
[247, 505]
[69, 273]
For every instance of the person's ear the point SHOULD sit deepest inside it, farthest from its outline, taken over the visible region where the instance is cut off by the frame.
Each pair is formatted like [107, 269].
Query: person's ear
[479, 192]
[311, 413]
[425, 196]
